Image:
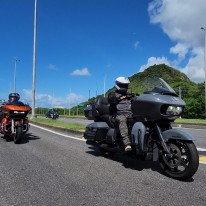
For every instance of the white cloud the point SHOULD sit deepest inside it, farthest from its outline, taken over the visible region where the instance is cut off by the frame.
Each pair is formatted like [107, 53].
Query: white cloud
[81, 72]
[73, 98]
[27, 95]
[41, 99]
[154, 60]
[194, 66]
[108, 65]
[51, 67]
[180, 50]
[47, 100]
[136, 44]
[181, 21]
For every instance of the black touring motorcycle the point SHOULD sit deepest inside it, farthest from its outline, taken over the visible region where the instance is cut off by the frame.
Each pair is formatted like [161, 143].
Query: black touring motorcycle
[150, 130]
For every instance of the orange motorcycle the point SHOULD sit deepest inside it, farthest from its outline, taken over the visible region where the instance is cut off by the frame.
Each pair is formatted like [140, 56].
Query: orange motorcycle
[14, 122]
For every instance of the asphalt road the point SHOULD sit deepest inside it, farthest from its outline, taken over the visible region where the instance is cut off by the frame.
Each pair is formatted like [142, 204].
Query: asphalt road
[76, 120]
[53, 169]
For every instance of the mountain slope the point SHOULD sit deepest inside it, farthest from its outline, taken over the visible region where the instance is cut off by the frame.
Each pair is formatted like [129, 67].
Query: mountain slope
[173, 77]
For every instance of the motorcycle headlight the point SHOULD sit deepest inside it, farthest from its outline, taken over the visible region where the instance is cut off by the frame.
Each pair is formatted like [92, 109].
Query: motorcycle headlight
[174, 110]
[18, 112]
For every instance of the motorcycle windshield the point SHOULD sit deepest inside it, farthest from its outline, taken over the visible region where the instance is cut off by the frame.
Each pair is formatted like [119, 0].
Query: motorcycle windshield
[159, 86]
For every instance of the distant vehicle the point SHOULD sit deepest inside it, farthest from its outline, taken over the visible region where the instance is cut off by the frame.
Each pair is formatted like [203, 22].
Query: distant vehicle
[52, 113]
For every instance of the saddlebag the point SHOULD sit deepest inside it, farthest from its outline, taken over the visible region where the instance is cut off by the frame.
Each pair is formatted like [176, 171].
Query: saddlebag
[96, 131]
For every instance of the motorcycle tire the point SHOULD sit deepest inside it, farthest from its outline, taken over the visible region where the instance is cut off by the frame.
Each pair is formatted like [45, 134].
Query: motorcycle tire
[184, 161]
[18, 136]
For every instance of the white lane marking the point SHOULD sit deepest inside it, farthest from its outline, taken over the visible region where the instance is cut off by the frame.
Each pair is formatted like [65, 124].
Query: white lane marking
[201, 149]
[82, 139]
[76, 138]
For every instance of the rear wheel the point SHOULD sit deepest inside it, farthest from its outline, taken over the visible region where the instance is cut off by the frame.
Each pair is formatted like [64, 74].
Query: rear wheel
[18, 136]
[184, 160]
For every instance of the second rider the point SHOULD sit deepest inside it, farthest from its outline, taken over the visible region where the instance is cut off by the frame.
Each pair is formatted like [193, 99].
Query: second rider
[121, 101]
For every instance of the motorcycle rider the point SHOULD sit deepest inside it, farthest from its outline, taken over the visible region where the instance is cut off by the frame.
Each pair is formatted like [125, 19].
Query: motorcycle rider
[120, 100]
[13, 97]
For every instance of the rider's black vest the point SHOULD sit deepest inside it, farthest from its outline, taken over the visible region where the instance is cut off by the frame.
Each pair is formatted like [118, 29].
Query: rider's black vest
[119, 106]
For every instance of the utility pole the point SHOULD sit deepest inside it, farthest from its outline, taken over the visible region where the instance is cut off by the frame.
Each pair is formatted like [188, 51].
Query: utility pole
[180, 92]
[104, 85]
[69, 102]
[15, 61]
[180, 95]
[34, 62]
[205, 65]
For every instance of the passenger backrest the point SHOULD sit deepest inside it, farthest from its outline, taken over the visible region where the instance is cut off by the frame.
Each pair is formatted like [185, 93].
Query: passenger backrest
[102, 106]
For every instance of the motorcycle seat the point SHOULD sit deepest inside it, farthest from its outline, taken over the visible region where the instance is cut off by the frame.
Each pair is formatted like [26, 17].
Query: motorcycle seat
[102, 111]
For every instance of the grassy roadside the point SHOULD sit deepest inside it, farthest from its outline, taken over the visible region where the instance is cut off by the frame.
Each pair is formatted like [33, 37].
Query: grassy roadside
[179, 120]
[191, 121]
[65, 125]
[81, 127]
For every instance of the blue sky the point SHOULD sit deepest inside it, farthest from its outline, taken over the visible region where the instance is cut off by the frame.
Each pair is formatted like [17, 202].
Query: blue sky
[83, 43]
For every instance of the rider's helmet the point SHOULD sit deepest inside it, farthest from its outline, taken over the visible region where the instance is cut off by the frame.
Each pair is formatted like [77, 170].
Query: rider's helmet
[121, 84]
[14, 97]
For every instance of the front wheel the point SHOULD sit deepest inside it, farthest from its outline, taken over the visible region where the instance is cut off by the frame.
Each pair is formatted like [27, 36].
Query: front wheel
[183, 162]
[18, 136]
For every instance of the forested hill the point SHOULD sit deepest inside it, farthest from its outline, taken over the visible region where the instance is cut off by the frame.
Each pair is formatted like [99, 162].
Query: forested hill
[169, 74]
[173, 77]
[191, 92]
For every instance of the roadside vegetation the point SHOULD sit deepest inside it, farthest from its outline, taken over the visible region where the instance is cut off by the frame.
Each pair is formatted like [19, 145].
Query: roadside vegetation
[191, 121]
[55, 123]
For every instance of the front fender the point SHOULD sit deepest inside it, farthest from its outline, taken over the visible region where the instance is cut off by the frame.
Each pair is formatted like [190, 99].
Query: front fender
[138, 134]
[177, 134]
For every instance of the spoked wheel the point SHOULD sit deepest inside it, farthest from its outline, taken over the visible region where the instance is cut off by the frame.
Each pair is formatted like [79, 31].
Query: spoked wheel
[184, 160]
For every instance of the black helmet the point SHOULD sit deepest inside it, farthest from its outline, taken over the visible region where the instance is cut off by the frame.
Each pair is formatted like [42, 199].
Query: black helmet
[14, 97]
[121, 84]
